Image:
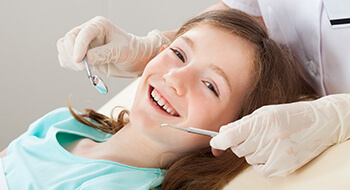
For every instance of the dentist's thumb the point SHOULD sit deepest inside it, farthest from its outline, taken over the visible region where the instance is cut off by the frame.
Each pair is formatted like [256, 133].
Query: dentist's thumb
[219, 144]
[231, 135]
[221, 141]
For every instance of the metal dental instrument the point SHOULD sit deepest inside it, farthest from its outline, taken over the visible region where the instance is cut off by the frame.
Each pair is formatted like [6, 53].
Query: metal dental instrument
[96, 81]
[193, 130]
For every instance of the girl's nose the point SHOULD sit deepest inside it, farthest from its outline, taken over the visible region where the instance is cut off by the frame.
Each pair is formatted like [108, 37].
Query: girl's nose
[180, 79]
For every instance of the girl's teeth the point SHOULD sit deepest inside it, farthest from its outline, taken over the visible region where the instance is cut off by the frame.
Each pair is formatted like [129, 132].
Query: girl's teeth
[161, 102]
[155, 96]
[165, 107]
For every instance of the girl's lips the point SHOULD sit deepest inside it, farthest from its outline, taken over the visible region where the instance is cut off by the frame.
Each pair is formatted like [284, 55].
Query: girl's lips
[160, 103]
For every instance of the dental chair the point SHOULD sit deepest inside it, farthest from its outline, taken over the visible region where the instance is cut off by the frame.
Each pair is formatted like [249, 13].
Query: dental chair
[330, 170]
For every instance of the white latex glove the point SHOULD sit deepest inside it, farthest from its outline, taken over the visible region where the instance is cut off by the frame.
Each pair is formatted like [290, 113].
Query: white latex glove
[278, 139]
[109, 49]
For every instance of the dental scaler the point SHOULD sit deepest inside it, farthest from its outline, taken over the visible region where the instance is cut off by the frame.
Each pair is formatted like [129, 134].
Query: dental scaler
[193, 130]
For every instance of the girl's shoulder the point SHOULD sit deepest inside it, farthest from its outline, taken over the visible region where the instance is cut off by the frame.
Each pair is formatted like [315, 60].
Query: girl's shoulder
[41, 125]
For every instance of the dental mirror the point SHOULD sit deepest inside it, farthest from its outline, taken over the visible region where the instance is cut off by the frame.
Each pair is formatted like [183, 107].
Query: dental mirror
[96, 81]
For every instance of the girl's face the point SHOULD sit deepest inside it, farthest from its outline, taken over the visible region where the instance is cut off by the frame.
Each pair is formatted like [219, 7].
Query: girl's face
[198, 81]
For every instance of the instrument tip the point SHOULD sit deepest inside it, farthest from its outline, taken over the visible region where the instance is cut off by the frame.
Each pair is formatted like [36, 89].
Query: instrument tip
[164, 124]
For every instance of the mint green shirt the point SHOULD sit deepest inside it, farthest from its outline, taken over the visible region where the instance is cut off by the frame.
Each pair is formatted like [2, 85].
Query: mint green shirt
[37, 160]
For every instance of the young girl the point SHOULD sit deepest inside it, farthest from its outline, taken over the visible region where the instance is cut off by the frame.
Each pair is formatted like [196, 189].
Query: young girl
[221, 66]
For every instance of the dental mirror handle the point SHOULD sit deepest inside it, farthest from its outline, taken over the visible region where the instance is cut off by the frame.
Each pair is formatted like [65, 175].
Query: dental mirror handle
[88, 71]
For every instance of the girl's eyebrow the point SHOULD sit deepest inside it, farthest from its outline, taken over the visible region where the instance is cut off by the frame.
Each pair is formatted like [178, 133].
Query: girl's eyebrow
[219, 71]
[189, 41]
[213, 67]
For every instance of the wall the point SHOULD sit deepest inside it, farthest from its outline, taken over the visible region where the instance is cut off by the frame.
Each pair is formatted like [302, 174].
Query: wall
[33, 83]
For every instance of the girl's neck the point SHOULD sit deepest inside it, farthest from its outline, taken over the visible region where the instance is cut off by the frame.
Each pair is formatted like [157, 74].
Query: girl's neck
[129, 147]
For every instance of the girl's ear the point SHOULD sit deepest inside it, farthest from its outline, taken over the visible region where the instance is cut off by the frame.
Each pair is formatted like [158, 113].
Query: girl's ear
[163, 47]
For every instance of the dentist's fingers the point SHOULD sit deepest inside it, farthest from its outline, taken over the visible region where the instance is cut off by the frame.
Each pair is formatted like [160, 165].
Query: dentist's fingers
[83, 40]
[100, 55]
[97, 32]
[232, 135]
[63, 57]
[259, 140]
[65, 48]
[217, 153]
[244, 149]
[109, 49]
[69, 41]
[260, 154]
[61, 53]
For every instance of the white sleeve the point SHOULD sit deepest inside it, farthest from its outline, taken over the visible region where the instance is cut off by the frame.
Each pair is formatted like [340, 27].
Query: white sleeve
[3, 184]
[249, 6]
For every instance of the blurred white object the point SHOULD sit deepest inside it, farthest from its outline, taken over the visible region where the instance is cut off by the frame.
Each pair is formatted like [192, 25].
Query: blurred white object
[278, 139]
[109, 49]
[3, 183]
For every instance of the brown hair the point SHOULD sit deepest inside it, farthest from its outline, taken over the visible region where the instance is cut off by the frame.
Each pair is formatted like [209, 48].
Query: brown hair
[275, 80]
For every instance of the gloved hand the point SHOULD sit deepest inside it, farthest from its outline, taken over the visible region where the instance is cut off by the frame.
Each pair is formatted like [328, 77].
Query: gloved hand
[109, 49]
[278, 139]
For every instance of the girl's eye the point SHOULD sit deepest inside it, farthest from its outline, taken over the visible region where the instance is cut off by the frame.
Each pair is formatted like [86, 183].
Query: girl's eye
[211, 87]
[178, 54]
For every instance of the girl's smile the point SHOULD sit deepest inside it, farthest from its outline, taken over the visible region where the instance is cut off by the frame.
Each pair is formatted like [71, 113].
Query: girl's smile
[161, 103]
